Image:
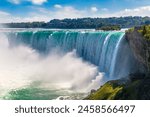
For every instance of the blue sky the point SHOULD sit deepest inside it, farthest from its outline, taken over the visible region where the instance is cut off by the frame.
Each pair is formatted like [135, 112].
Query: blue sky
[45, 10]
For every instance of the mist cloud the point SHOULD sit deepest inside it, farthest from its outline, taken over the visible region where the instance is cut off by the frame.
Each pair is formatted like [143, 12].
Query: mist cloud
[21, 65]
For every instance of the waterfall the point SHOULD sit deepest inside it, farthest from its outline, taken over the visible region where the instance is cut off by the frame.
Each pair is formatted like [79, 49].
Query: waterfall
[107, 50]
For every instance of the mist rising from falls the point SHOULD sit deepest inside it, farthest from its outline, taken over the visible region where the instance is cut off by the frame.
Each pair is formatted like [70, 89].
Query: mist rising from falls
[109, 51]
[73, 60]
[20, 66]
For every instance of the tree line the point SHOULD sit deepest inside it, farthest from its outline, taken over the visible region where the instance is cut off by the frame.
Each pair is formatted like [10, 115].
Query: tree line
[84, 23]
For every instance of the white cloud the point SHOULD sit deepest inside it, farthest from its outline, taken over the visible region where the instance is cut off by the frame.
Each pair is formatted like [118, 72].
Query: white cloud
[15, 1]
[2, 13]
[58, 6]
[104, 9]
[41, 14]
[4, 16]
[68, 12]
[140, 11]
[36, 2]
[94, 9]
[59, 13]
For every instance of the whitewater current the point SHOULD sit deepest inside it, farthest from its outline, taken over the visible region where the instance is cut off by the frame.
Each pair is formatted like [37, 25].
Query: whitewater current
[61, 64]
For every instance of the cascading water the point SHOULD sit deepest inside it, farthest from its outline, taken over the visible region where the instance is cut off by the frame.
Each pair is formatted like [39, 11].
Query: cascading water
[46, 64]
[107, 50]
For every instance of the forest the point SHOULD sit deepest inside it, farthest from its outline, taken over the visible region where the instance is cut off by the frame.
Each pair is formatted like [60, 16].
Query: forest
[84, 23]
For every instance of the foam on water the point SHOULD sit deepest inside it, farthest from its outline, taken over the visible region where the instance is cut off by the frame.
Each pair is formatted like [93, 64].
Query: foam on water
[21, 67]
[61, 62]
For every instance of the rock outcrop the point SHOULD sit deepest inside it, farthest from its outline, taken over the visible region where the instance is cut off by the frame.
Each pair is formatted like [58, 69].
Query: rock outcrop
[137, 85]
[140, 47]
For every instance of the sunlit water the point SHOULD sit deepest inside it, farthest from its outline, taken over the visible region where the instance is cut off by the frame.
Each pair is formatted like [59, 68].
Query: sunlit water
[59, 64]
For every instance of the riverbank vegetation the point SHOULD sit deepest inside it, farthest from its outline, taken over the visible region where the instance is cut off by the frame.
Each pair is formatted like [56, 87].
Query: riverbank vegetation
[84, 23]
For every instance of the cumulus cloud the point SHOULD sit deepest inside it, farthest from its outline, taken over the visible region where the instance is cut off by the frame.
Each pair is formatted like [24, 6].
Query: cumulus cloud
[94, 9]
[4, 13]
[68, 12]
[58, 6]
[140, 11]
[36, 2]
[42, 14]
[4, 16]
[15, 1]
[104, 9]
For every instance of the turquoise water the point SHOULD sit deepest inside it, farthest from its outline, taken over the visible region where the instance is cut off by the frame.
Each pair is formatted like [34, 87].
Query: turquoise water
[34, 92]
[77, 61]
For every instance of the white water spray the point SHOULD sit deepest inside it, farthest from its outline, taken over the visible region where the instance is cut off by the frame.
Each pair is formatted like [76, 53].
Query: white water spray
[21, 65]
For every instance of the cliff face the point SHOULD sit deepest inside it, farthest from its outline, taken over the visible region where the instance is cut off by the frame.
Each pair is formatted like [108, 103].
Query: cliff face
[137, 86]
[140, 47]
